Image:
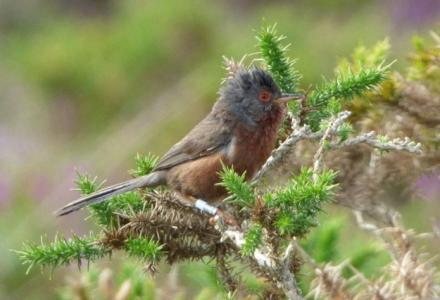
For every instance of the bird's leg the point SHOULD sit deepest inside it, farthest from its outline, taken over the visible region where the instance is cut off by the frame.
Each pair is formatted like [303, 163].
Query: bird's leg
[219, 215]
[205, 207]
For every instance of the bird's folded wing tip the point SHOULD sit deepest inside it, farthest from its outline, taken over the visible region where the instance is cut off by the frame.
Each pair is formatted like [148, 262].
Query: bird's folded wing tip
[59, 212]
[64, 210]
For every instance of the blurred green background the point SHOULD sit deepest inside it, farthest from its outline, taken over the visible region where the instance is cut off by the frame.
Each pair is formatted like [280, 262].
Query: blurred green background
[86, 84]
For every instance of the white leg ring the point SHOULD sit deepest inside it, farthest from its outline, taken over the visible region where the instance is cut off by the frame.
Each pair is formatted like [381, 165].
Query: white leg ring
[203, 206]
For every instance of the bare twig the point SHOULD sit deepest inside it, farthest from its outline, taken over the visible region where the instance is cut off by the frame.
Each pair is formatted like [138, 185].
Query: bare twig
[381, 143]
[332, 127]
[284, 149]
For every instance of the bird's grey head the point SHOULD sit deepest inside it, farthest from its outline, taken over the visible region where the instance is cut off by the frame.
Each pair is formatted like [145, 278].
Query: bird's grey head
[251, 95]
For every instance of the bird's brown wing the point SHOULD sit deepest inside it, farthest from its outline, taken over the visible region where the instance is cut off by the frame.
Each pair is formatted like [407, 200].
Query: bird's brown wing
[207, 137]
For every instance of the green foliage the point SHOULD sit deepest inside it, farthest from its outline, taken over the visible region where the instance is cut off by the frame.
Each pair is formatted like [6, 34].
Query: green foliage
[278, 62]
[364, 57]
[301, 200]
[368, 260]
[344, 131]
[148, 250]
[424, 61]
[62, 251]
[322, 242]
[367, 57]
[86, 184]
[253, 239]
[334, 106]
[241, 191]
[275, 56]
[367, 73]
[343, 88]
[144, 164]
[333, 242]
[104, 213]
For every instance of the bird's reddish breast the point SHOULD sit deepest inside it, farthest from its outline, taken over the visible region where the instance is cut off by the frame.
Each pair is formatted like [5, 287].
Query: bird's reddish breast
[250, 148]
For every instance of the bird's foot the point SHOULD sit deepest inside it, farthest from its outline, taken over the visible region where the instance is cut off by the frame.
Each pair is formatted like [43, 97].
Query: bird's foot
[224, 217]
[218, 214]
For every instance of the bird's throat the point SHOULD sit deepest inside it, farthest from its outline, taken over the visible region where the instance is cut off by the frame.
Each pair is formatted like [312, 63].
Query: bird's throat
[250, 148]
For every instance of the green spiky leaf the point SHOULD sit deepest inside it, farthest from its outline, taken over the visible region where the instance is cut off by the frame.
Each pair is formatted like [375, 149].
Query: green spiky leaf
[145, 164]
[85, 184]
[145, 249]
[240, 190]
[343, 88]
[278, 62]
[62, 251]
[301, 200]
[252, 239]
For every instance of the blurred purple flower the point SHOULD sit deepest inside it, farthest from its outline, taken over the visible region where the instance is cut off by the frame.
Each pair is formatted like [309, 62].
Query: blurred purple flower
[414, 12]
[428, 187]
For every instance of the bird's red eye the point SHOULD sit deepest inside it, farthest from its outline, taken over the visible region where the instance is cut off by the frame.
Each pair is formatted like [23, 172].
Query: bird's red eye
[265, 96]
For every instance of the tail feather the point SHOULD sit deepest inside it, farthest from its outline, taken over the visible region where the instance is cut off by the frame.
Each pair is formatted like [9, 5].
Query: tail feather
[150, 180]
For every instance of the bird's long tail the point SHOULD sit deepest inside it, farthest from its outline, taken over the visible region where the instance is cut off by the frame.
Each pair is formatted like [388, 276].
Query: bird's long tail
[150, 180]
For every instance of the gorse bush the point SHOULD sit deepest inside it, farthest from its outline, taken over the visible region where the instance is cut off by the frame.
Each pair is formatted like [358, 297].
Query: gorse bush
[275, 218]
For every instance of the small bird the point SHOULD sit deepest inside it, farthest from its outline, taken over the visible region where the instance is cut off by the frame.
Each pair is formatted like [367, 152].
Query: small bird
[239, 132]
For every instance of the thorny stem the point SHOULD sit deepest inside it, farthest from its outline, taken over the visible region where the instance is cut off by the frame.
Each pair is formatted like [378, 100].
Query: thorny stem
[287, 276]
[264, 258]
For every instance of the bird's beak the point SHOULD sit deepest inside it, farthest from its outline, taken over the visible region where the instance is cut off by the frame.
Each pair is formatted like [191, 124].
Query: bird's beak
[289, 97]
